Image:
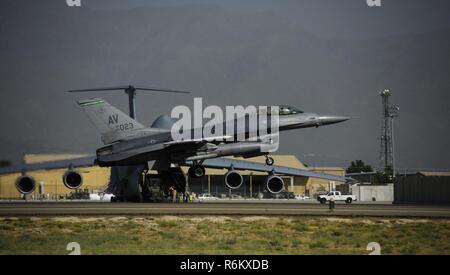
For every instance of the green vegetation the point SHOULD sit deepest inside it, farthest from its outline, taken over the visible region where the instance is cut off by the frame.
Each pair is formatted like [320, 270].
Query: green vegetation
[223, 235]
[4, 163]
[358, 166]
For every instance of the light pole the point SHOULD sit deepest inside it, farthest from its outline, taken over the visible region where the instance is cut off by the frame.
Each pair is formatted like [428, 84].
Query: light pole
[393, 150]
[393, 112]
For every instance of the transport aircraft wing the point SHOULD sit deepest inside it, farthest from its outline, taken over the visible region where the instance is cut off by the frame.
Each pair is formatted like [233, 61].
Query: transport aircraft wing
[57, 164]
[227, 163]
[220, 163]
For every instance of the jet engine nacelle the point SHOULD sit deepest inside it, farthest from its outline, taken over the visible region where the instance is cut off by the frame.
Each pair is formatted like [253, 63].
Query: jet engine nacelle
[274, 184]
[25, 184]
[233, 179]
[72, 179]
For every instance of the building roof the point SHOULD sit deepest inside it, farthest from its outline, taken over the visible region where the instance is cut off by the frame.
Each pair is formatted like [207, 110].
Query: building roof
[325, 168]
[361, 174]
[434, 174]
[37, 158]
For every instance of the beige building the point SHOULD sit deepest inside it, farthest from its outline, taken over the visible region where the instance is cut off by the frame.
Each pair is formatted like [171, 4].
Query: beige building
[49, 182]
[95, 178]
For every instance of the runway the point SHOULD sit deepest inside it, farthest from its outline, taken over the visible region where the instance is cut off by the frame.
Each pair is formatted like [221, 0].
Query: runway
[219, 208]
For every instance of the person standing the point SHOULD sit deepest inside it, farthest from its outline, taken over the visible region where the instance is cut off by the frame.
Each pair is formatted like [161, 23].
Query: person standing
[173, 193]
[331, 204]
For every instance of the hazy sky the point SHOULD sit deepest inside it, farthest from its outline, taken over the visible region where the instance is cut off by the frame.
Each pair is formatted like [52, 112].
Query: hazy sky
[325, 56]
[341, 18]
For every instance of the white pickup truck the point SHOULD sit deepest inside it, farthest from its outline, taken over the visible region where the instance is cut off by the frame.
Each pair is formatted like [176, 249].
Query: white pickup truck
[337, 197]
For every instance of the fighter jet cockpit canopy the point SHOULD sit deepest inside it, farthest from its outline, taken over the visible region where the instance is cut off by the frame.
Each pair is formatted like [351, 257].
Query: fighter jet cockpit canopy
[283, 110]
[289, 110]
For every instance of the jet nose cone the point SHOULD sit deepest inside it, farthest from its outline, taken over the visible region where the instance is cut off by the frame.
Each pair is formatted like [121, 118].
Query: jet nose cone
[325, 120]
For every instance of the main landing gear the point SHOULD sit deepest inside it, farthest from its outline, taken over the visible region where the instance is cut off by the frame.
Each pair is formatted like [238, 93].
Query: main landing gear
[196, 171]
[269, 160]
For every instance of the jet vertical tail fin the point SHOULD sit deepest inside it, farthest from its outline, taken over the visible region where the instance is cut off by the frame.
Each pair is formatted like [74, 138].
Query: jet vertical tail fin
[112, 123]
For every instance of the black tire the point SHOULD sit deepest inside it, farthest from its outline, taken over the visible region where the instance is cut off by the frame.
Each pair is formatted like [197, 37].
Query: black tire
[270, 161]
[196, 171]
[323, 201]
[348, 201]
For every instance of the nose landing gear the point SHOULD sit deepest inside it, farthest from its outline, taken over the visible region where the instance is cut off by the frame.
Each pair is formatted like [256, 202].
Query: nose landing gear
[269, 160]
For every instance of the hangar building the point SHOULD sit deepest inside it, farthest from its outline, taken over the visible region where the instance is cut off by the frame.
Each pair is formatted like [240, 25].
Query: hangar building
[423, 187]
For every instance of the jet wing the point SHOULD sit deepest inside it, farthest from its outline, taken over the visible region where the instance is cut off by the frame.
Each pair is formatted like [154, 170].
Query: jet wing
[66, 163]
[276, 169]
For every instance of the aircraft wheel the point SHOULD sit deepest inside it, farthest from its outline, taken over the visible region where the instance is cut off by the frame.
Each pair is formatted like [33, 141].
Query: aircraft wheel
[270, 161]
[196, 171]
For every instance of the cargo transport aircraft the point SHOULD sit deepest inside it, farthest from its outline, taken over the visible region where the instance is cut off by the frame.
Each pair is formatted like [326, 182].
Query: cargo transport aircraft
[132, 149]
